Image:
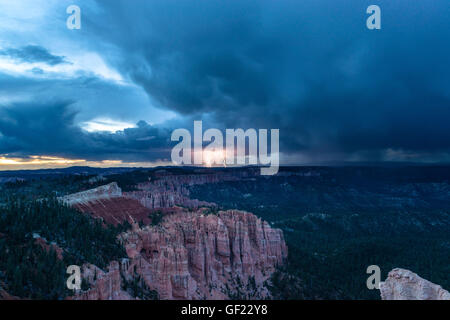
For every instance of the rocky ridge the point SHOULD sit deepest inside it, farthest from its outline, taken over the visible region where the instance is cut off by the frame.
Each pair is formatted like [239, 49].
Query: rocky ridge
[108, 191]
[105, 285]
[109, 204]
[168, 190]
[403, 284]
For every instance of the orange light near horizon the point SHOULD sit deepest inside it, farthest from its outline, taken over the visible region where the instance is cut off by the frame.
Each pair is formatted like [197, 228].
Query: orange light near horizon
[49, 162]
[38, 160]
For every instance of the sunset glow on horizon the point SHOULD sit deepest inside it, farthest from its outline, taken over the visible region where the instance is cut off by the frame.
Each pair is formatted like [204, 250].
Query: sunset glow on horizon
[50, 162]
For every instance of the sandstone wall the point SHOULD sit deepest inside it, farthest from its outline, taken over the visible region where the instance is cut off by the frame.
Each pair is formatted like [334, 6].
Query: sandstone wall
[104, 285]
[193, 256]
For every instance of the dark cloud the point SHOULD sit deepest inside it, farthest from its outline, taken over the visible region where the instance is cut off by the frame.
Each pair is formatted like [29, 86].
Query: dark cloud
[310, 68]
[336, 90]
[49, 129]
[32, 54]
[93, 97]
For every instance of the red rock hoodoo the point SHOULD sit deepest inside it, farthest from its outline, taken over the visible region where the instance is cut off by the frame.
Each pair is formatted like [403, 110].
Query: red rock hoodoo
[196, 256]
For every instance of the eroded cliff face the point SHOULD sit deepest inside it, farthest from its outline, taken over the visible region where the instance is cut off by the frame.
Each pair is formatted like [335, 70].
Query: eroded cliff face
[165, 191]
[105, 285]
[403, 284]
[190, 254]
[196, 256]
[168, 190]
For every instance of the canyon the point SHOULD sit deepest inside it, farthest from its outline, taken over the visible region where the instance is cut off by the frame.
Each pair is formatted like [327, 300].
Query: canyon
[197, 251]
[191, 254]
[209, 233]
[165, 190]
[168, 190]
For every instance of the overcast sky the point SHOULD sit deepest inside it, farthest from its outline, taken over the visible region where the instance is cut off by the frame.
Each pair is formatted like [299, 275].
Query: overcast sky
[112, 92]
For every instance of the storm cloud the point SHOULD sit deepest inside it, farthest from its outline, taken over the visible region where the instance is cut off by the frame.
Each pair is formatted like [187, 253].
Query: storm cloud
[310, 68]
[336, 90]
[33, 53]
[49, 129]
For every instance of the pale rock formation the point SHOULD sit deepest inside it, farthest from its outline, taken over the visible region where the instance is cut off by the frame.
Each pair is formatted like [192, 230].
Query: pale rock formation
[104, 285]
[108, 191]
[403, 284]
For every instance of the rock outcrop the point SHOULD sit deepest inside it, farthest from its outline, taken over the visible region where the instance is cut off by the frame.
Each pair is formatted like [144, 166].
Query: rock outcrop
[196, 256]
[165, 193]
[104, 285]
[160, 198]
[108, 191]
[48, 247]
[168, 190]
[116, 210]
[109, 204]
[403, 284]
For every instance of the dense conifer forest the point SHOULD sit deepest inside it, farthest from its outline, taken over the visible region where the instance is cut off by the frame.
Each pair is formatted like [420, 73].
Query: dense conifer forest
[26, 268]
[338, 221]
